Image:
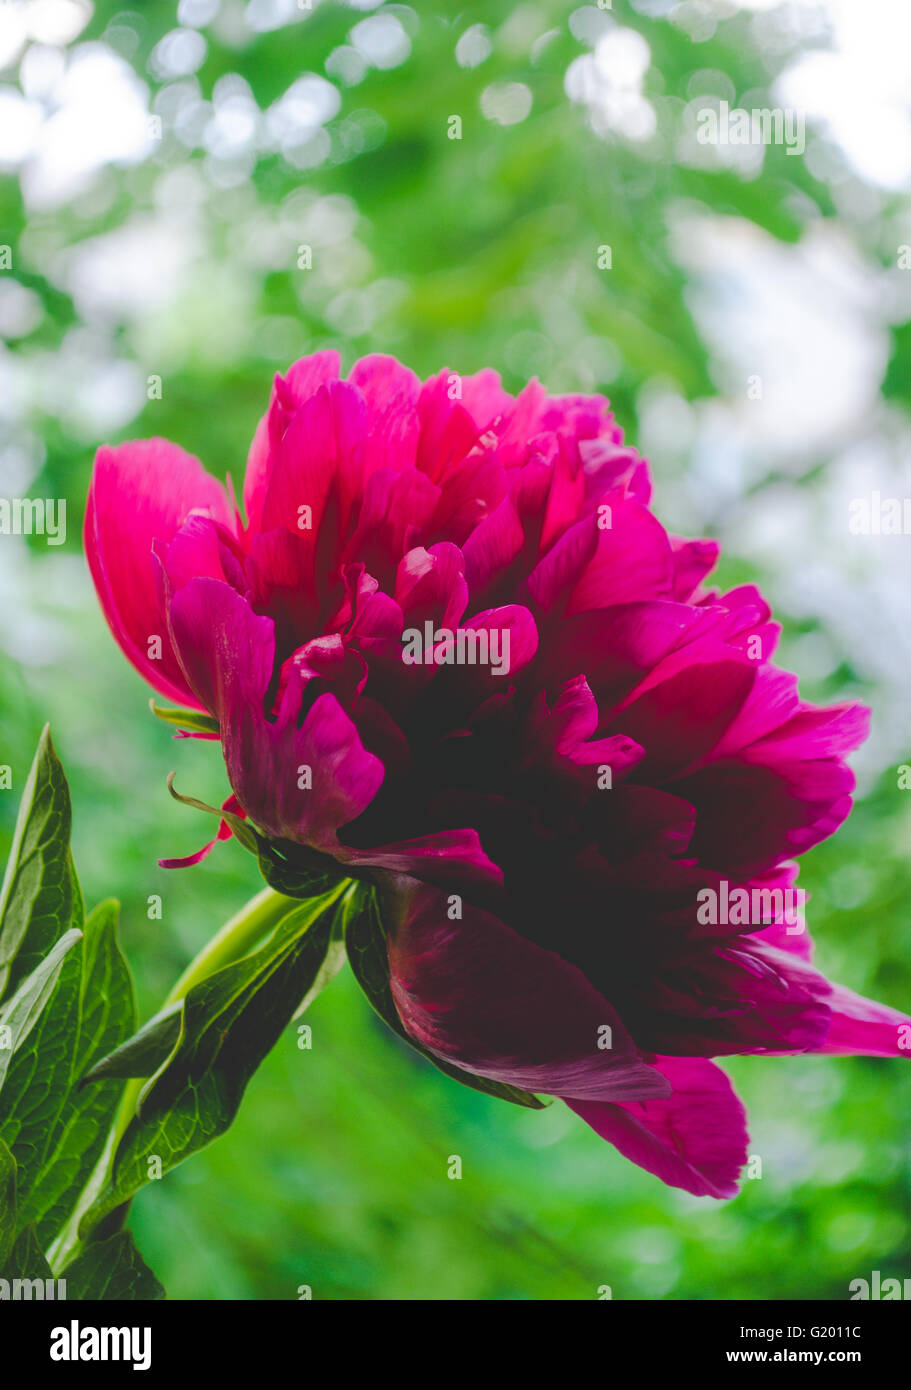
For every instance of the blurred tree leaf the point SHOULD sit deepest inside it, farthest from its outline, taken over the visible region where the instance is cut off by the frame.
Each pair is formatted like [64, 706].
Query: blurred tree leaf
[897, 381]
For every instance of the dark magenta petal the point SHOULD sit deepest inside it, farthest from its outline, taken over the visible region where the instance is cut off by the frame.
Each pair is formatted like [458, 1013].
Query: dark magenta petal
[469, 492]
[140, 495]
[318, 464]
[448, 430]
[814, 733]
[224, 833]
[856, 1025]
[863, 1027]
[203, 547]
[295, 783]
[189, 859]
[482, 395]
[695, 1138]
[395, 510]
[556, 574]
[788, 929]
[391, 392]
[430, 586]
[282, 571]
[288, 395]
[518, 622]
[450, 858]
[617, 647]
[745, 997]
[477, 994]
[632, 561]
[583, 417]
[782, 812]
[681, 720]
[507, 542]
[771, 701]
[693, 560]
[564, 733]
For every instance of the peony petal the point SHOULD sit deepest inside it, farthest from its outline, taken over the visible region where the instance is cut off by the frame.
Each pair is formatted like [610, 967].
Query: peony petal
[319, 464]
[857, 1026]
[142, 493]
[450, 858]
[430, 586]
[695, 1138]
[681, 720]
[477, 994]
[781, 811]
[633, 560]
[617, 647]
[224, 832]
[788, 931]
[863, 1027]
[299, 784]
[288, 395]
[693, 560]
[391, 392]
[448, 431]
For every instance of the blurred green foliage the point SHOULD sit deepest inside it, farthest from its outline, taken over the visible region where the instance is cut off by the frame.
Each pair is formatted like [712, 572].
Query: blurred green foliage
[463, 252]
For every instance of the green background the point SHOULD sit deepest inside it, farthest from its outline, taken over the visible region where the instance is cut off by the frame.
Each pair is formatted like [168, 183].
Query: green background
[471, 252]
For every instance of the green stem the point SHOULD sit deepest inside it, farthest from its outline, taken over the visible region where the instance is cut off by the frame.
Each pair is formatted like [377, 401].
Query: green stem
[236, 938]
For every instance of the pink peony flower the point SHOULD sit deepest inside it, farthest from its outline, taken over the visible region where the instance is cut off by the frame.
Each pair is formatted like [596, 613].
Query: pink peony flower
[453, 650]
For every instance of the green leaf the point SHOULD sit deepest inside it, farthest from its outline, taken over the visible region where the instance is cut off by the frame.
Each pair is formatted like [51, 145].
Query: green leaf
[26, 1260]
[7, 1202]
[186, 718]
[366, 943]
[112, 1271]
[21, 1014]
[296, 870]
[230, 1021]
[243, 831]
[56, 1130]
[36, 900]
[336, 953]
[143, 1053]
